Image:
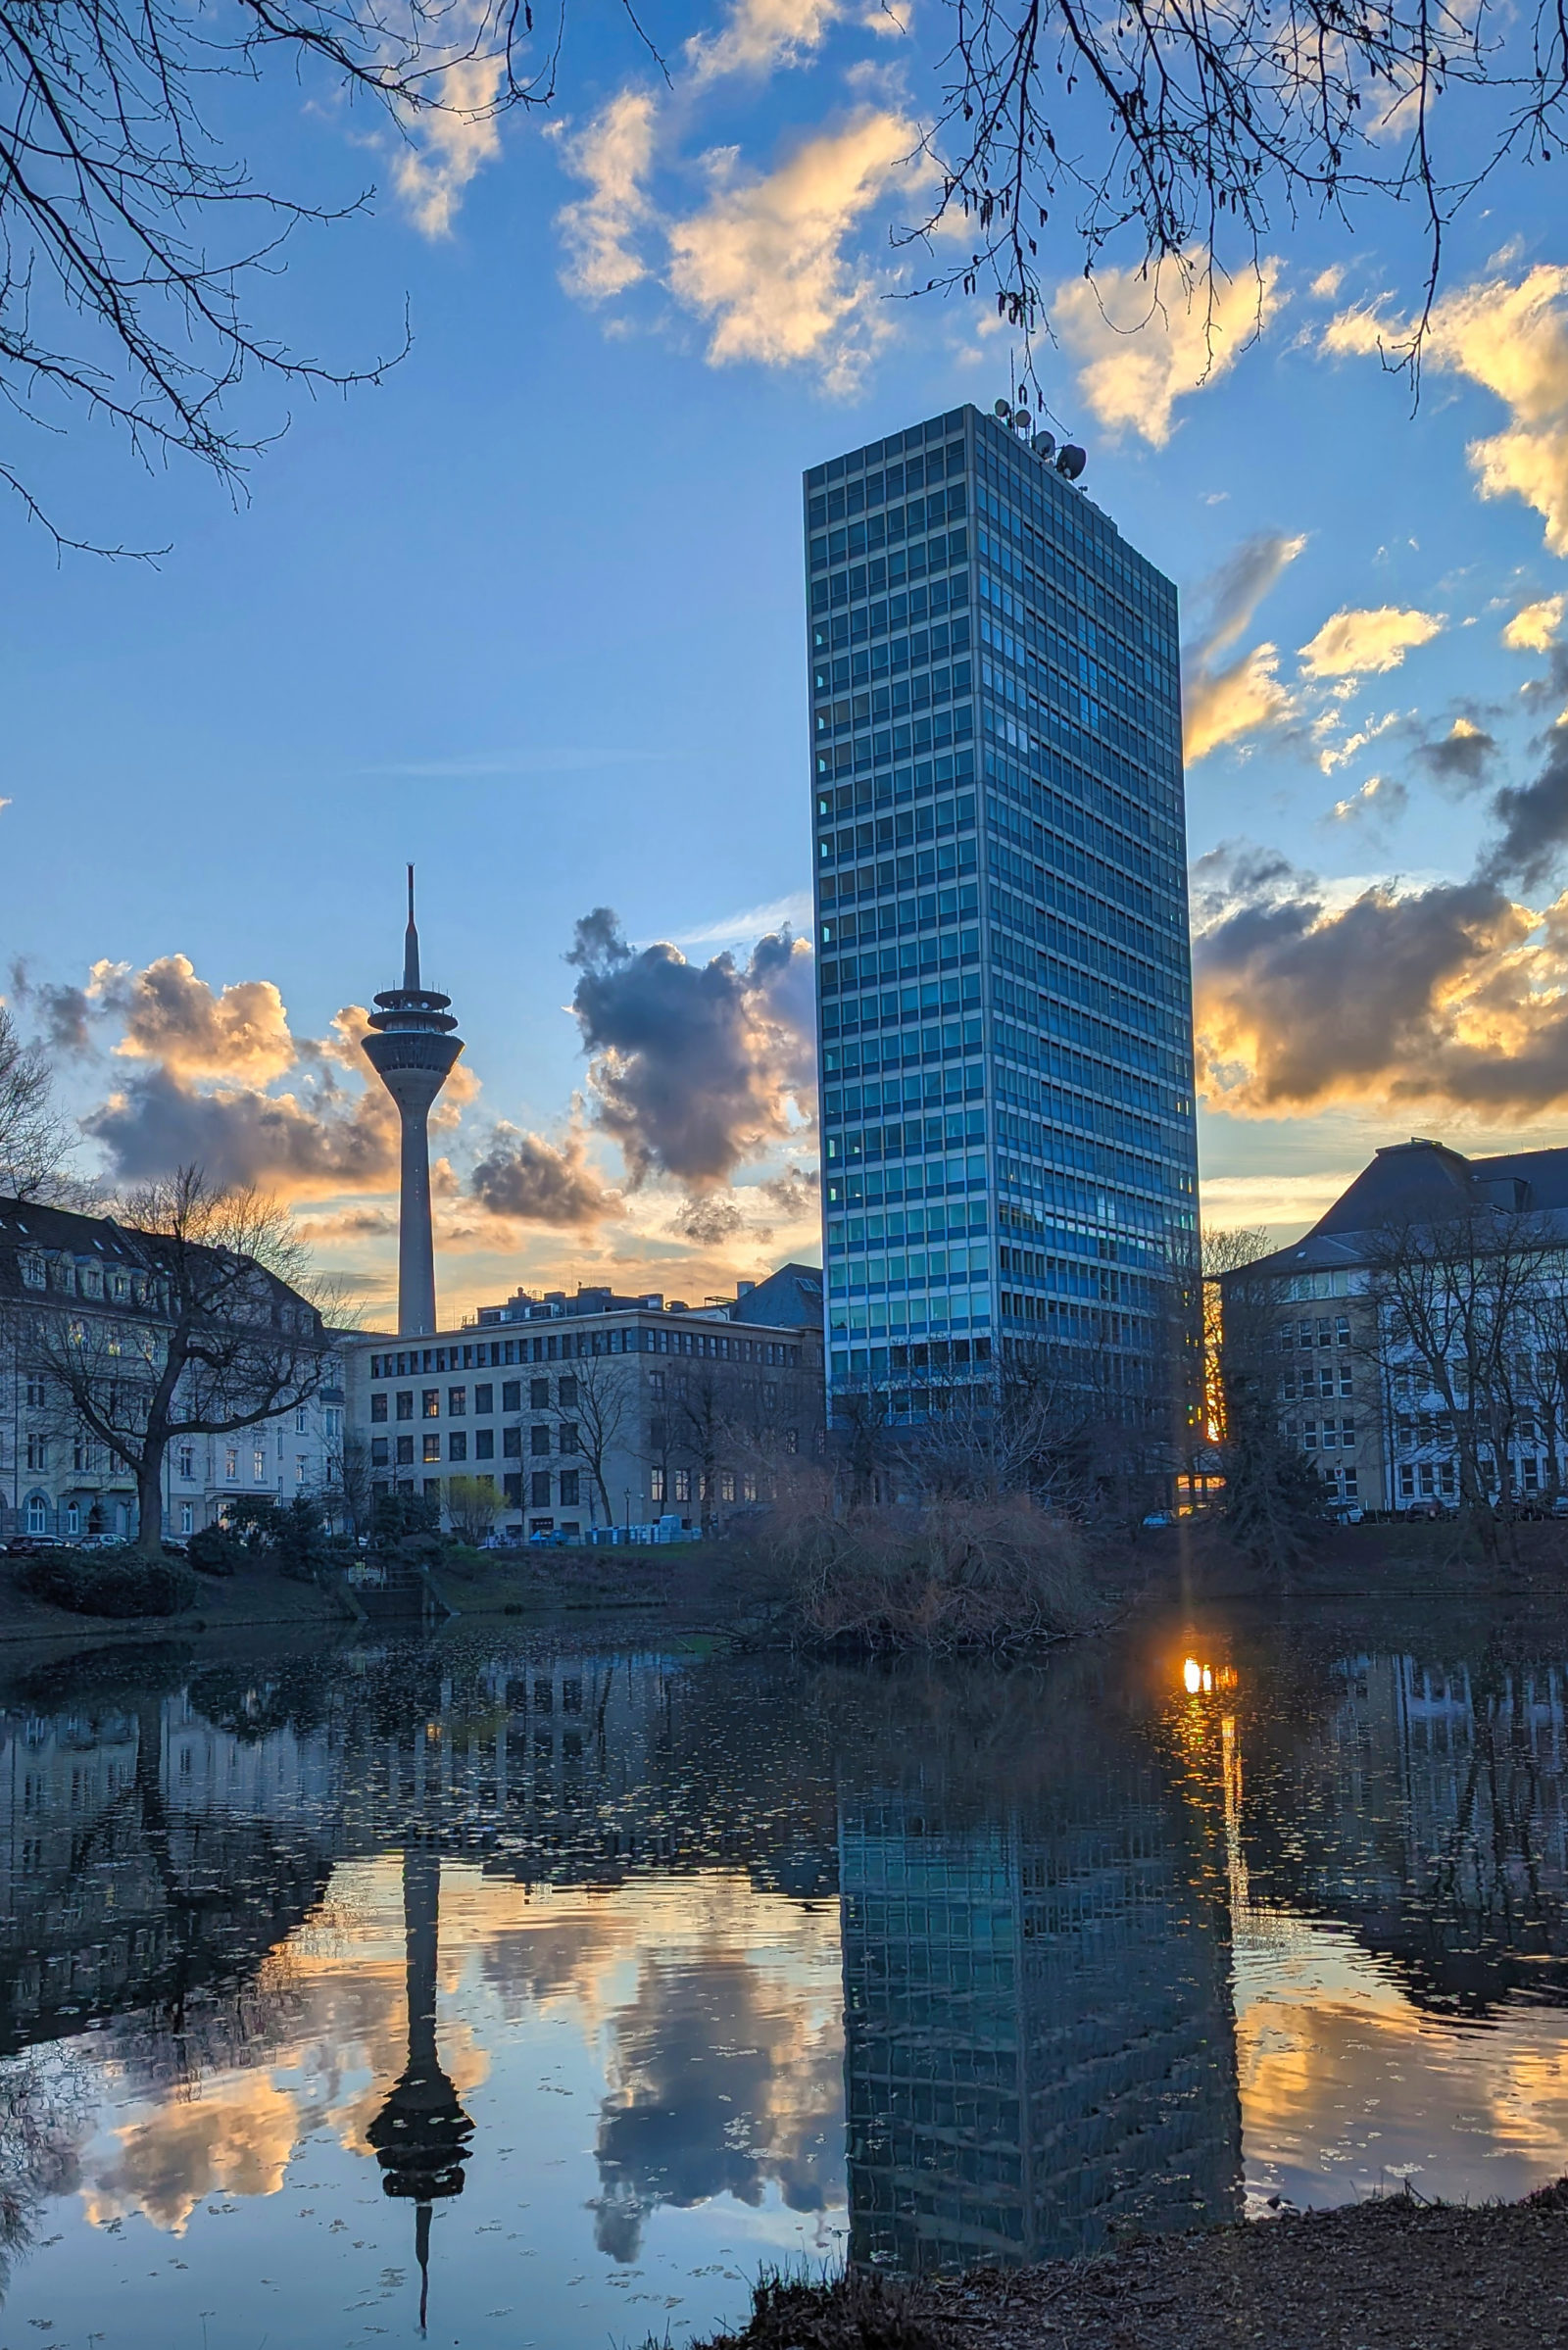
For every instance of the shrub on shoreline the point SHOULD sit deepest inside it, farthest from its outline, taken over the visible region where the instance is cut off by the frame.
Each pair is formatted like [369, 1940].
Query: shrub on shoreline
[109, 1582]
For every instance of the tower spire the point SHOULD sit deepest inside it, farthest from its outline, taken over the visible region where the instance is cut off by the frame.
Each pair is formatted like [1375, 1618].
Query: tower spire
[410, 948]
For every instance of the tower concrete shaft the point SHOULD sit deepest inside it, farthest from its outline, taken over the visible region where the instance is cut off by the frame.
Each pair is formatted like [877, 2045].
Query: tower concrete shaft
[412, 1048]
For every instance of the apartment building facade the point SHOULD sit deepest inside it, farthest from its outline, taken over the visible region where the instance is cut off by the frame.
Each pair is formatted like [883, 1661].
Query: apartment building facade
[594, 1410]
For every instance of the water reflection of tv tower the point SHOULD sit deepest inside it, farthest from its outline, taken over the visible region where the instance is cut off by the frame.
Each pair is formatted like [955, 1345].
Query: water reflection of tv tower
[421, 2133]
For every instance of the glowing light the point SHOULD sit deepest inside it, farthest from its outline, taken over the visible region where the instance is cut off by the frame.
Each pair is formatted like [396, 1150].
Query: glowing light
[1208, 1681]
[1193, 1676]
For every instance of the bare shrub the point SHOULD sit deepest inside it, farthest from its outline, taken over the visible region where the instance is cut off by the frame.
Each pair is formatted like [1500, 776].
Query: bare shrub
[962, 1573]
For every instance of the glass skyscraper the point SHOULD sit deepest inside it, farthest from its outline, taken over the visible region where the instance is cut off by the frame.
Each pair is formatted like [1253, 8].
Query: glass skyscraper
[1004, 976]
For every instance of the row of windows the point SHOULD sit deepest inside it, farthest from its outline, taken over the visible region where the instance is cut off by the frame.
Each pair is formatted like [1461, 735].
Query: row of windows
[1040, 670]
[484, 1398]
[911, 1139]
[892, 1006]
[834, 674]
[1141, 781]
[917, 436]
[831, 632]
[1136, 640]
[885, 573]
[918, 1043]
[1126, 876]
[1329, 1379]
[860, 488]
[874, 1186]
[904, 738]
[935, 1265]
[385, 1450]
[853, 539]
[1321, 1434]
[1119, 587]
[917, 869]
[1075, 941]
[1091, 1070]
[893, 701]
[668, 1337]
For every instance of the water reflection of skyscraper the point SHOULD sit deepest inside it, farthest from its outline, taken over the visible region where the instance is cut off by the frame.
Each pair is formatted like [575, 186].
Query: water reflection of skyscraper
[1039, 2032]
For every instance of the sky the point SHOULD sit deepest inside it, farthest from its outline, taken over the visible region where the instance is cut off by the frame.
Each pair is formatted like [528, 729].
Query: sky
[529, 611]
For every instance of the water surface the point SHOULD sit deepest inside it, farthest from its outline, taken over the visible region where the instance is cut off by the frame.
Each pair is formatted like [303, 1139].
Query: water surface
[550, 1987]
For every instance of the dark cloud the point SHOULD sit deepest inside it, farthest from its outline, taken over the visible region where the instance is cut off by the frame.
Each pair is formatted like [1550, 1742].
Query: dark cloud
[1533, 820]
[1460, 760]
[798, 1192]
[712, 1218]
[288, 1143]
[534, 1182]
[61, 1014]
[694, 1066]
[1438, 994]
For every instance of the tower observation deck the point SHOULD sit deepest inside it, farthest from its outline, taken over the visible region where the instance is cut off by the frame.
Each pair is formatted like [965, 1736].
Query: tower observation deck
[412, 1048]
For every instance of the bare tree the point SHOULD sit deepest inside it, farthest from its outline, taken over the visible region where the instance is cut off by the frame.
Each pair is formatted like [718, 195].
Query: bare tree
[221, 1339]
[1223, 1252]
[1178, 131]
[1460, 1298]
[605, 1400]
[350, 1487]
[35, 1142]
[1274, 1497]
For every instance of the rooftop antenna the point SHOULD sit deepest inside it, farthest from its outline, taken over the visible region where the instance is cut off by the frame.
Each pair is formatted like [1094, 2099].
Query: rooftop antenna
[411, 946]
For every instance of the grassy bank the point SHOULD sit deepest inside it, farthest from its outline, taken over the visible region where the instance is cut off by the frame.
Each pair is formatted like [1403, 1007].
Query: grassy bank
[1419, 2275]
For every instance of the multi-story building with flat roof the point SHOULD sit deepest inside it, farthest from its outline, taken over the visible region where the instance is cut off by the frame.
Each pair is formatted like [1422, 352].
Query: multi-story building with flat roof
[597, 1411]
[1003, 970]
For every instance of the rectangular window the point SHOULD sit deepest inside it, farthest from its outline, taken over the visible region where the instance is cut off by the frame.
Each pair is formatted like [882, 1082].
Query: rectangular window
[187, 1517]
[568, 1487]
[38, 1453]
[430, 1403]
[484, 1443]
[568, 1434]
[187, 1463]
[432, 1447]
[432, 1489]
[405, 1403]
[405, 1451]
[457, 1444]
[539, 1439]
[656, 1383]
[683, 1485]
[299, 1468]
[726, 1485]
[484, 1398]
[511, 1443]
[539, 1395]
[300, 1422]
[258, 1465]
[655, 1487]
[381, 1451]
[511, 1394]
[457, 1402]
[569, 1395]
[378, 1407]
[539, 1489]
[231, 1466]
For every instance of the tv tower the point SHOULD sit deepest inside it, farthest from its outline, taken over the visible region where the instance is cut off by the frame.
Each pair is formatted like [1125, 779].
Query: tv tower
[413, 1050]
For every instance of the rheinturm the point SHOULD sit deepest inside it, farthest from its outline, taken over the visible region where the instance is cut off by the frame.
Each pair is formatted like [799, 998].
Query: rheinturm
[412, 1048]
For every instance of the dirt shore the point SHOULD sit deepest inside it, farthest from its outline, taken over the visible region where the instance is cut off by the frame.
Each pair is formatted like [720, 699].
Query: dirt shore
[1399, 2275]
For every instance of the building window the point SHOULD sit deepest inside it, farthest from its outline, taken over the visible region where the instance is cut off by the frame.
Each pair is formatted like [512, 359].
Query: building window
[405, 1451]
[539, 1395]
[457, 1444]
[484, 1443]
[38, 1453]
[430, 1403]
[511, 1394]
[37, 1514]
[381, 1451]
[432, 1489]
[511, 1443]
[405, 1403]
[299, 1468]
[539, 1439]
[187, 1463]
[569, 1395]
[457, 1402]
[432, 1447]
[726, 1485]
[683, 1485]
[568, 1434]
[568, 1489]
[34, 1393]
[231, 1465]
[656, 1383]
[378, 1407]
[539, 1490]
[187, 1517]
[484, 1400]
[73, 1518]
[655, 1487]
[299, 1419]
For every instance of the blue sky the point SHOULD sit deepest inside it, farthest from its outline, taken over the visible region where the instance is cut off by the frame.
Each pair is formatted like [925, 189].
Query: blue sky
[531, 612]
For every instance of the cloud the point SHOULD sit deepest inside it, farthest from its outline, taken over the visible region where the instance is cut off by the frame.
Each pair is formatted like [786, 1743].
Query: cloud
[287, 1142]
[1327, 283]
[1139, 353]
[1355, 644]
[1533, 627]
[63, 1013]
[1459, 760]
[760, 36]
[1450, 995]
[458, 135]
[1222, 702]
[712, 1218]
[1511, 337]
[523, 1177]
[1337, 755]
[766, 258]
[695, 1067]
[1377, 797]
[1534, 817]
[615, 155]
[240, 1035]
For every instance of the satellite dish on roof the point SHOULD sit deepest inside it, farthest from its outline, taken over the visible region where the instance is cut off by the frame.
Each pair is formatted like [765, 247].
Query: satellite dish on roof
[1021, 420]
[1044, 445]
[1071, 462]
[1004, 410]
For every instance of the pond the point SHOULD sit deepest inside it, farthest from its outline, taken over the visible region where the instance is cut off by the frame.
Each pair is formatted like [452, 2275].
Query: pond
[537, 1990]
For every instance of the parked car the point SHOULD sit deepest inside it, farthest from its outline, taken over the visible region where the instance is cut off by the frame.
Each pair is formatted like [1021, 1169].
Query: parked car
[1160, 1517]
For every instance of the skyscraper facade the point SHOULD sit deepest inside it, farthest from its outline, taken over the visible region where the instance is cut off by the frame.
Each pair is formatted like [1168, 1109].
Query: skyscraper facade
[1003, 974]
[413, 1046]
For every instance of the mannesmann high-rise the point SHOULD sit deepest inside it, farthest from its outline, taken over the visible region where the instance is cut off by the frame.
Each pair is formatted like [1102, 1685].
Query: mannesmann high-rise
[1005, 990]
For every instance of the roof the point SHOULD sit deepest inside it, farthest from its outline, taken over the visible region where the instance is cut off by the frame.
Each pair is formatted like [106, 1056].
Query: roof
[789, 1300]
[1424, 1182]
[28, 1224]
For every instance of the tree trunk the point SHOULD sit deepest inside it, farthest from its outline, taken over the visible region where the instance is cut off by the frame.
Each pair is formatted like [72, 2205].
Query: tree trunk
[150, 1500]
